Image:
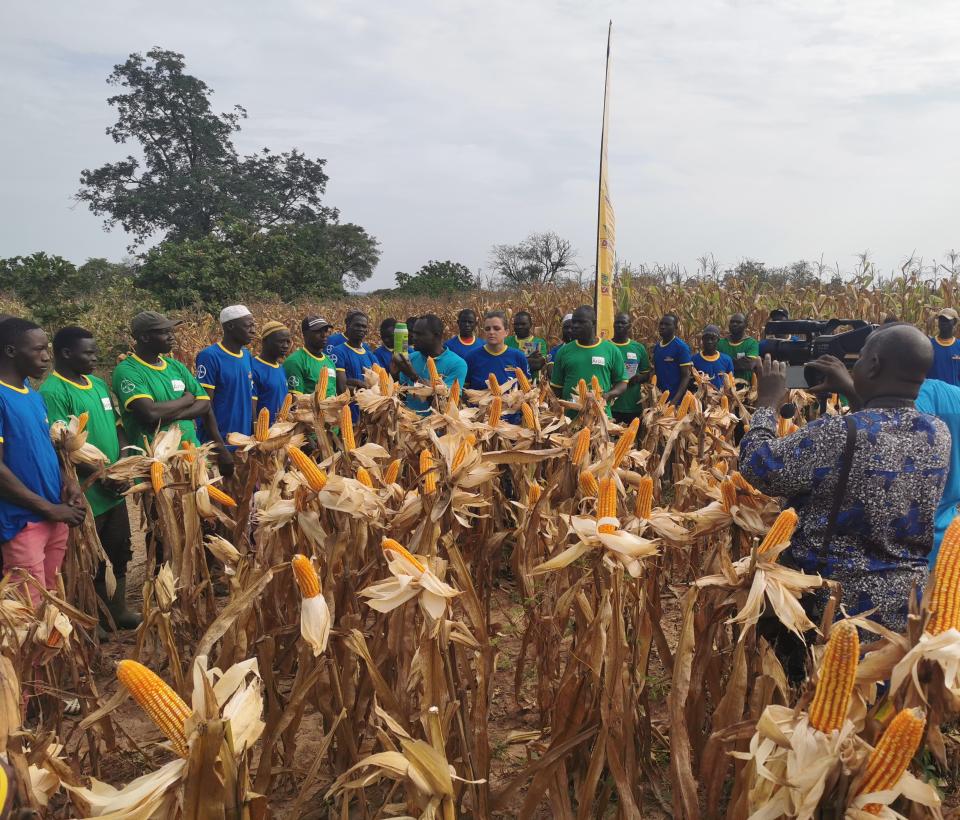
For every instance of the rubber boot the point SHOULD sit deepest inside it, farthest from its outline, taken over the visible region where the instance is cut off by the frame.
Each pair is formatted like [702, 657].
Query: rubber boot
[123, 617]
[100, 587]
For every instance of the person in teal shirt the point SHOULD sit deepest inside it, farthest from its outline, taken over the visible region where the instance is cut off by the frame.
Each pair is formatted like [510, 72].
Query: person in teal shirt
[426, 339]
[937, 398]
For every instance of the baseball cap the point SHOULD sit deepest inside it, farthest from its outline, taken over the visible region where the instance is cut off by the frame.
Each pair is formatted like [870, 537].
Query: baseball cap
[228, 314]
[315, 323]
[148, 320]
[948, 313]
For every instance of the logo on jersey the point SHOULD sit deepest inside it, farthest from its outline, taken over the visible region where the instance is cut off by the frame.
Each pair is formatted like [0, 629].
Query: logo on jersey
[293, 381]
[201, 372]
[127, 386]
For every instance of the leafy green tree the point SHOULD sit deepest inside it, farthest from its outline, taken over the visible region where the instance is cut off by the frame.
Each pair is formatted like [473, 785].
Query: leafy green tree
[540, 259]
[436, 277]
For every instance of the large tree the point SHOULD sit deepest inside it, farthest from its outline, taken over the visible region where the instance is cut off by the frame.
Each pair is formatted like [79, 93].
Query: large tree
[540, 259]
[437, 277]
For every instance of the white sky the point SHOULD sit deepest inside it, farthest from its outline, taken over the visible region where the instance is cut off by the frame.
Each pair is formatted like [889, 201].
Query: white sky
[775, 130]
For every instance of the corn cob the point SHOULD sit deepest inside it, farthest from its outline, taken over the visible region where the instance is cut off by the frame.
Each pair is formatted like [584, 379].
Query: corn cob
[432, 370]
[625, 442]
[588, 483]
[82, 420]
[363, 476]
[526, 411]
[156, 476]
[459, 456]
[645, 497]
[686, 403]
[663, 399]
[945, 592]
[722, 467]
[493, 385]
[322, 382]
[522, 381]
[582, 390]
[753, 383]
[261, 428]
[454, 399]
[544, 390]
[164, 706]
[607, 503]
[653, 380]
[392, 473]
[780, 532]
[837, 674]
[306, 575]
[595, 387]
[427, 472]
[496, 409]
[316, 478]
[581, 444]
[384, 380]
[188, 445]
[395, 546]
[742, 484]
[534, 491]
[728, 492]
[893, 753]
[285, 407]
[728, 381]
[725, 404]
[346, 429]
[218, 495]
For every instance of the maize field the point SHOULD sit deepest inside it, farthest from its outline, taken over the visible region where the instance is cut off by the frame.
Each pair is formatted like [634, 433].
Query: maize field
[454, 616]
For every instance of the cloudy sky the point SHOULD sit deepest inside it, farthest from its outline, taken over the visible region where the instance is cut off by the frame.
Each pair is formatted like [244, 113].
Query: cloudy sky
[775, 130]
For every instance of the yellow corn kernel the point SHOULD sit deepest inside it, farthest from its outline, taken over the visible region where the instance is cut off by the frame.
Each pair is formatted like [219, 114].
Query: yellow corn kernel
[663, 399]
[836, 676]
[607, 503]
[522, 381]
[686, 404]
[588, 483]
[893, 753]
[218, 495]
[526, 412]
[459, 456]
[383, 378]
[156, 476]
[625, 442]
[322, 383]
[595, 387]
[392, 473]
[188, 446]
[728, 381]
[82, 420]
[534, 491]
[780, 532]
[728, 493]
[493, 385]
[945, 592]
[545, 390]
[346, 429]
[582, 390]
[454, 400]
[644, 506]
[434, 373]
[653, 379]
[742, 484]
[427, 472]
[496, 409]
[316, 478]
[261, 428]
[285, 407]
[306, 575]
[363, 476]
[725, 403]
[395, 546]
[164, 706]
[581, 445]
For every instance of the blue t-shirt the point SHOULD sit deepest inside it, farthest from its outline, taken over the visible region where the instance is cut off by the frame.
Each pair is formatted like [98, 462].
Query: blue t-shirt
[667, 360]
[946, 361]
[943, 401]
[334, 340]
[461, 348]
[230, 377]
[351, 361]
[269, 386]
[715, 369]
[552, 355]
[383, 355]
[450, 367]
[28, 453]
[481, 363]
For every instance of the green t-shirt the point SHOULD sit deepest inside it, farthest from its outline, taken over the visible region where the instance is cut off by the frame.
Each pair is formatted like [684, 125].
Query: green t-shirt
[635, 360]
[65, 398]
[303, 372]
[577, 361]
[747, 346]
[135, 379]
[527, 345]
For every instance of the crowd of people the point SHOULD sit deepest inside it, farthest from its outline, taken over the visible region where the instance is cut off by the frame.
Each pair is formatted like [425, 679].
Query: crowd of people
[873, 522]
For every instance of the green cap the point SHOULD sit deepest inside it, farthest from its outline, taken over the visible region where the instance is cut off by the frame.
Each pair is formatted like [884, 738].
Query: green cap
[149, 320]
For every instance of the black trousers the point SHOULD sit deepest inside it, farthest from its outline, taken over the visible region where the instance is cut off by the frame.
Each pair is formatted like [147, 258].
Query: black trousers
[113, 527]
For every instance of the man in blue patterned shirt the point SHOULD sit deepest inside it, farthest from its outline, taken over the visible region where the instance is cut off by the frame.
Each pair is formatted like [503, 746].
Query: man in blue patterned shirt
[884, 527]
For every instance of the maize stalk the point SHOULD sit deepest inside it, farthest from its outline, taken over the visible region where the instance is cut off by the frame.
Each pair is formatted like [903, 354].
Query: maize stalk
[526, 411]
[496, 409]
[285, 407]
[625, 442]
[522, 381]
[644, 506]
[945, 592]
[728, 494]
[316, 478]
[893, 753]
[156, 476]
[588, 483]
[218, 495]
[581, 444]
[837, 675]
[346, 429]
[306, 575]
[392, 473]
[493, 385]
[164, 706]
[261, 428]
[397, 547]
[607, 503]
[780, 532]
[363, 476]
[427, 472]
[322, 383]
[82, 420]
[454, 399]
[432, 370]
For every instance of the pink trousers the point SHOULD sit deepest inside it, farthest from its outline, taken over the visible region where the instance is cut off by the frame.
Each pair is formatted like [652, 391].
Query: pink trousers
[37, 549]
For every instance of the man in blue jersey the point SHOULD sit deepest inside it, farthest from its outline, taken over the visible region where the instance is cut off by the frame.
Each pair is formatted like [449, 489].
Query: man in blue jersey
[38, 504]
[566, 335]
[426, 339]
[337, 339]
[269, 378]
[466, 340]
[710, 361]
[671, 359]
[225, 371]
[946, 349]
[353, 357]
[384, 353]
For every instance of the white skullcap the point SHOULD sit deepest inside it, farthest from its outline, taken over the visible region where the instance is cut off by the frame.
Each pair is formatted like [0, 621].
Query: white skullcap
[228, 314]
[568, 317]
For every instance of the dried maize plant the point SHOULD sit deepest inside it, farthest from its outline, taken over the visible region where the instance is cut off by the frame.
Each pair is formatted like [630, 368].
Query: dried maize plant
[382, 407]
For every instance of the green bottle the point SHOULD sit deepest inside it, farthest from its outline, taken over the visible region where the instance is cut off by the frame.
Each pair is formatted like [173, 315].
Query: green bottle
[401, 338]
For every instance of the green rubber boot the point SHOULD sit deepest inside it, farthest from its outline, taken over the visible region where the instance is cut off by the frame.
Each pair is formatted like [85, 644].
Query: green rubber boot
[124, 617]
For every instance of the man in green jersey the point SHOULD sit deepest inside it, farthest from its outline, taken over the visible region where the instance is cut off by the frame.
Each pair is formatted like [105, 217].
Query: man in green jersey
[303, 366]
[588, 356]
[743, 349]
[533, 347]
[637, 363]
[72, 389]
[156, 391]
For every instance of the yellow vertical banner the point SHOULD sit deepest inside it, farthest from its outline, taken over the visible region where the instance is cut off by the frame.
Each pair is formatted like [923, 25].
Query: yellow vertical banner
[606, 223]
